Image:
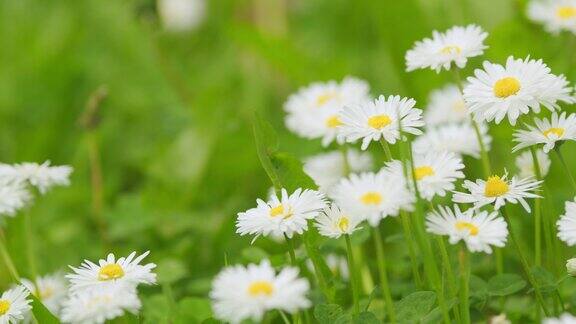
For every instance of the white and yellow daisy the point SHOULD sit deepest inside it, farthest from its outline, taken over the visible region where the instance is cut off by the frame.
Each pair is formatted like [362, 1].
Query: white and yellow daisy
[498, 190]
[436, 172]
[284, 215]
[333, 222]
[567, 224]
[14, 305]
[326, 169]
[555, 15]
[455, 45]
[517, 88]
[378, 119]
[314, 111]
[240, 293]
[547, 131]
[126, 271]
[42, 176]
[52, 290]
[565, 318]
[525, 164]
[458, 138]
[13, 196]
[181, 15]
[480, 230]
[446, 105]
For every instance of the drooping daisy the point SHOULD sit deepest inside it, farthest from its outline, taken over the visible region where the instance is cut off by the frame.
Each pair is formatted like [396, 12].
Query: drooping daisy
[567, 224]
[480, 230]
[555, 15]
[565, 318]
[42, 176]
[333, 222]
[525, 164]
[285, 215]
[456, 138]
[181, 15]
[547, 131]
[14, 304]
[455, 45]
[100, 305]
[126, 271]
[378, 119]
[314, 111]
[13, 196]
[436, 172]
[52, 290]
[328, 168]
[239, 293]
[498, 190]
[446, 105]
[517, 88]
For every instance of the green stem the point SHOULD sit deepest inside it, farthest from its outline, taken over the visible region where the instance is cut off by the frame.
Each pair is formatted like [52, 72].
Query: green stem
[385, 285]
[386, 148]
[464, 263]
[8, 262]
[537, 213]
[353, 276]
[284, 317]
[31, 250]
[451, 279]
[483, 152]
[566, 168]
[291, 250]
[407, 229]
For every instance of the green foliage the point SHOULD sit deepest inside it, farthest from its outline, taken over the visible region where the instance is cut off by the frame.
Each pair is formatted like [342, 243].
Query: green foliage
[41, 313]
[415, 306]
[505, 284]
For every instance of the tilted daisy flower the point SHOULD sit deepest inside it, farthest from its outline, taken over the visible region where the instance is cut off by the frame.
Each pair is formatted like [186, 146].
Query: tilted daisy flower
[126, 271]
[498, 190]
[525, 164]
[480, 230]
[436, 172]
[459, 138]
[14, 305]
[379, 119]
[333, 222]
[446, 105]
[555, 15]
[240, 293]
[314, 111]
[100, 305]
[455, 45]
[547, 131]
[517, 88]
[565, 318]
[13, 196]
[567, 224]
[284, 215]
[52, 290]
[42, 176]
[326, 169]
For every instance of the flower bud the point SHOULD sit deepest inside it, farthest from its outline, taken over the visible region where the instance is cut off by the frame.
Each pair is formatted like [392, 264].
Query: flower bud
[571, 267]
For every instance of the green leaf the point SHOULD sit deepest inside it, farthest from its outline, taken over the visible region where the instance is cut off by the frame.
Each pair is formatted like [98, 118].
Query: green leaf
[544, 280]
[254, 254]
[505, 284]
[193, 309]
[266, 145]
[366, 318]
[323, 272]
[415, 306]
[435, 316]
[478, 292]
[41, 313]
[327, 313]
[290, 172]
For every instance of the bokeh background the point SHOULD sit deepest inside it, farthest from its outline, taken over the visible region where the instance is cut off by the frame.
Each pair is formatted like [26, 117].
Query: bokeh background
[172, 124]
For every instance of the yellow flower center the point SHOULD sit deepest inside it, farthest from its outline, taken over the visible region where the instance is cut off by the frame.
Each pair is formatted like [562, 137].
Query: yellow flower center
[423, 172]
[260, 288]
[324, 98]
[566, 12]
[4, 306]
[472, 229]
[495, 187]
[506, 87]
[459, 106]
[451, 50]
[110, 272]
[343, 224]
[279, 210]
[379, 121]
[333, 122]
[46, 293]
[554, 130]
[371, 198]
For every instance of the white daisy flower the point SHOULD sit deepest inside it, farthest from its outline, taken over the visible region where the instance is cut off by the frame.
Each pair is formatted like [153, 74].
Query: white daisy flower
[571, 267]
[314, 111]
[517, 88]
[436, 172]
[460, 139]
[567, 224]
[181, 15]
[42, 176]
[525, 164]
[336, 263]
[13, 196]
[240, 293]
[547, 131]
[499, 319]
[378, 119]
[555, 15]
[455, 45]
[287, 215]
[333, 222]
[565, 318]
[111, 271]
[446, 105]
[480, 230]
[498, 190]
[100, 305]
[14, 305]
[52, 290]
[327, 169]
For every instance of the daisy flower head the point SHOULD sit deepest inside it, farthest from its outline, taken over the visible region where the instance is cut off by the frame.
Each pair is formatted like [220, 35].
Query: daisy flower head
[480, 230]
[520, 86]
[446, 105]
[333, 222]
[326, 169]
[525, 164]
[436, 172]
[124, 271]
[52, 290]
[455, 45]
[314, 111]
[380, 119]
[13, 196]
[567, 224]
[14, 305]
[42, 176]
[498, 190]
[558, 128]
[565, 318]
[281, 215]
[458, 138]
[555, 15]
[239, 293]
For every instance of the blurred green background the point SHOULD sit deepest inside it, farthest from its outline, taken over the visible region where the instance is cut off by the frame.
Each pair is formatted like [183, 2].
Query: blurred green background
[174, 133]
